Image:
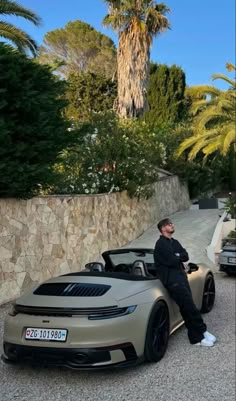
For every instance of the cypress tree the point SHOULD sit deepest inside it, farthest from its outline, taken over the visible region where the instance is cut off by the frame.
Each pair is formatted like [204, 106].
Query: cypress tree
[166, 94]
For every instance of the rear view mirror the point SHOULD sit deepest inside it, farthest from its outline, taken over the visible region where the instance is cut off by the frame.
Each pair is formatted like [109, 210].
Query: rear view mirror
[95, 267]
[192, 267]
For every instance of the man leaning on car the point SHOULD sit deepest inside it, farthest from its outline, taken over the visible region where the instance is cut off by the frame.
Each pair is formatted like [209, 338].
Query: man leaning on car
[169, 256]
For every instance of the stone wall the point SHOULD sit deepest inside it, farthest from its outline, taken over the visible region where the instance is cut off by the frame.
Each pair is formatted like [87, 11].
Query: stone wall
[47, 236]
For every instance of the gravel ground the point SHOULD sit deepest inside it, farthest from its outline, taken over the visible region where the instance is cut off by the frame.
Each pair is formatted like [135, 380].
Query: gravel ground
[186, 373]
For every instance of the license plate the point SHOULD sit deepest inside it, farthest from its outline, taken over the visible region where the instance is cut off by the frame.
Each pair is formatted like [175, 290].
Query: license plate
[45, 334]
[232, 260]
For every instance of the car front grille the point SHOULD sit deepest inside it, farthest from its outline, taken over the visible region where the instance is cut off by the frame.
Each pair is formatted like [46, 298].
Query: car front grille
[72, 289]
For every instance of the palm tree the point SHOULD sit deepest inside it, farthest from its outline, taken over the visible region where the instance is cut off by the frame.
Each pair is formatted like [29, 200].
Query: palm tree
[214, 119]
[137, 22]
[19, 38]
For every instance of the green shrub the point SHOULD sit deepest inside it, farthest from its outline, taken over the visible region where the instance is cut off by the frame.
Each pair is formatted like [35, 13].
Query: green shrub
[230, 205]
[111, 155]
[200, 175]
[232, 234]
[87, 92]
[32, 130]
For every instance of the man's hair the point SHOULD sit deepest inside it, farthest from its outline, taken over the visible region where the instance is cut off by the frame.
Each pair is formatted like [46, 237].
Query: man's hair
[163, 223]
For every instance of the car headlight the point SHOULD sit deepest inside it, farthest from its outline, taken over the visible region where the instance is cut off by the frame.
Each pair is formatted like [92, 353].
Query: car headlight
[116, 312]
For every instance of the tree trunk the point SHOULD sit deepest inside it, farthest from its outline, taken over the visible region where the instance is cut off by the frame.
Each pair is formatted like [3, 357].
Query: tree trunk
[132, 74]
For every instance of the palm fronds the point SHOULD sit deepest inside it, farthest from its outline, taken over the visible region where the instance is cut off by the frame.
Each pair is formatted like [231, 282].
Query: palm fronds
[214, 119]
[22, 41]
[8, 7]
[19, 38]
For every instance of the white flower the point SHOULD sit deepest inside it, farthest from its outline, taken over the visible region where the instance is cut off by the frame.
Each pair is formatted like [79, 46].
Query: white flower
[112, 187]
[87, 191]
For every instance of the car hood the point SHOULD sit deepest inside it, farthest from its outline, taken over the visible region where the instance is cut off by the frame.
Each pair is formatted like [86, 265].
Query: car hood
[116, 290]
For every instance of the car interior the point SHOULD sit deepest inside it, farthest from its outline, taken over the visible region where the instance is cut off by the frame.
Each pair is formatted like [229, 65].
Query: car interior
[130, 262]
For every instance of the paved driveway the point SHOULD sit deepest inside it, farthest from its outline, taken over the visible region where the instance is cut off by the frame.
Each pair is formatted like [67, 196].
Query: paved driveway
[186, 373]
[193, 228]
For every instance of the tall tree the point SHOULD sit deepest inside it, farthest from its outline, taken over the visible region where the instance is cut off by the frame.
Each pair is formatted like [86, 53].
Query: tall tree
[166, 94]
[137, 22]
[78, 47]
[19, 38]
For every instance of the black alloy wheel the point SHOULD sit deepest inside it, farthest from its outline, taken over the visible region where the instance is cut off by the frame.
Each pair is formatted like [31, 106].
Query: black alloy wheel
[209, 292]
[157, 335]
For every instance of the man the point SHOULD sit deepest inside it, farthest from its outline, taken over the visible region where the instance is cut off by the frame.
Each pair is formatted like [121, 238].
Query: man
[169, 256]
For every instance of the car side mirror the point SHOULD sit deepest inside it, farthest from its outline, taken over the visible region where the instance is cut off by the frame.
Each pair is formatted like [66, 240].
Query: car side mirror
[192, 267]
[95, 267]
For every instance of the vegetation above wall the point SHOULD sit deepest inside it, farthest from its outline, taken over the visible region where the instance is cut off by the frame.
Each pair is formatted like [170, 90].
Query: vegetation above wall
[97, 151]
[88, 93]
[111, 155]
[32, 129]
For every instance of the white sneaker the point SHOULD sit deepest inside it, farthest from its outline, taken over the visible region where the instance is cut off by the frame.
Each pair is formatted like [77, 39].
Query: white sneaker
[205, 343]
[208, 336]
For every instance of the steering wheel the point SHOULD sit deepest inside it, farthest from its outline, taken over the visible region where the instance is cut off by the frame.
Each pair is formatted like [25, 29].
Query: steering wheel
[122, 268]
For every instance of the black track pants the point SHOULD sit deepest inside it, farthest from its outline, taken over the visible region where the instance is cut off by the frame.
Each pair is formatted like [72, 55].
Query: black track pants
[181, 293]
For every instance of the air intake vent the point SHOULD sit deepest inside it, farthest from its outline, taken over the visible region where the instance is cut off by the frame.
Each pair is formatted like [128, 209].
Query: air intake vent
[72, 290]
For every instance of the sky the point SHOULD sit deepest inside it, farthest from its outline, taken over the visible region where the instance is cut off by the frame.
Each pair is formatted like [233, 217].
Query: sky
[201, 39]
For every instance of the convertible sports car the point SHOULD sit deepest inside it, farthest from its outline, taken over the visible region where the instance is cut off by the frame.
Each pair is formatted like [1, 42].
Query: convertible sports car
[114, 313]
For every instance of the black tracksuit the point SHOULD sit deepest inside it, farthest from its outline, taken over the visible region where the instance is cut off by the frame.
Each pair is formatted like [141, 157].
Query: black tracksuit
[168, 256]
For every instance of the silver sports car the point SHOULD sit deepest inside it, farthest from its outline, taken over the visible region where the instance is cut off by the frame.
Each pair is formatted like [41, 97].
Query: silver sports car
[114, 313]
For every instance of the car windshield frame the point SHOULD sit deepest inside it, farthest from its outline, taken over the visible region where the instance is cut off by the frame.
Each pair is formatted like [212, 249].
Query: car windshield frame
[117, 256]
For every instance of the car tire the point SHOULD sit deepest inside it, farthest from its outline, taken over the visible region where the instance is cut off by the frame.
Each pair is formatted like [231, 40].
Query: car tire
[229, 273]
[208, 298]
[157, 335]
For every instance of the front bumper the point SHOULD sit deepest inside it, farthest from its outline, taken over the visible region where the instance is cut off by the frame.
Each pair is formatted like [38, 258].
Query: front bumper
[227, 268]
[74, 358]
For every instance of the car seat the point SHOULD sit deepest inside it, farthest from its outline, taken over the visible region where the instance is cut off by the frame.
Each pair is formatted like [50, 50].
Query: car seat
[139, 268]
[95, 267]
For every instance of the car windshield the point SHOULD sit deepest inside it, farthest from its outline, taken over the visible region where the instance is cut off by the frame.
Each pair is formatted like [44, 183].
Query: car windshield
[129, 257]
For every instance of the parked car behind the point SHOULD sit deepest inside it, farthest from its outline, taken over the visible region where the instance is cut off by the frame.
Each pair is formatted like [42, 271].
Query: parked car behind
[227, 258]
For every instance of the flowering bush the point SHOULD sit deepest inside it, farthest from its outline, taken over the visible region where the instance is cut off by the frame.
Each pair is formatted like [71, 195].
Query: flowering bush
[111, 155]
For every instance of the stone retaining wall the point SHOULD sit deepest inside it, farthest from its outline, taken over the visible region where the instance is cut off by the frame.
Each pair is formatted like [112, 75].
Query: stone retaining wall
[47, 236]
